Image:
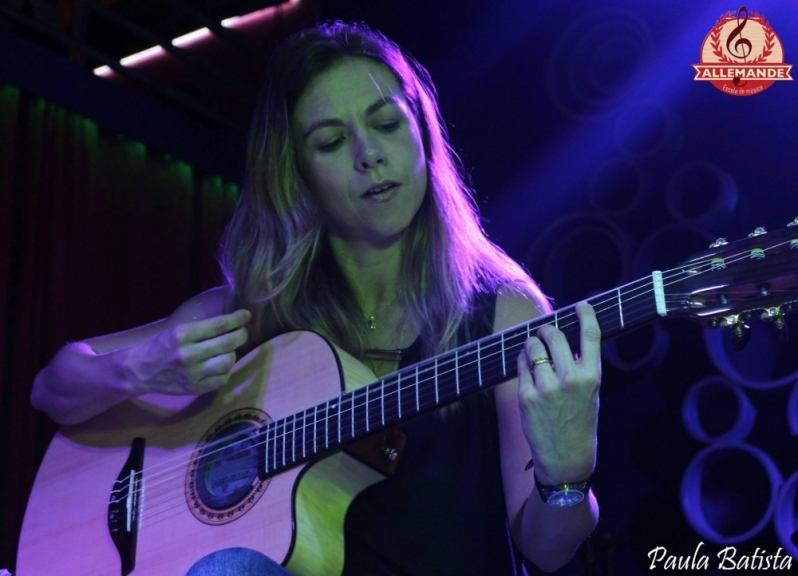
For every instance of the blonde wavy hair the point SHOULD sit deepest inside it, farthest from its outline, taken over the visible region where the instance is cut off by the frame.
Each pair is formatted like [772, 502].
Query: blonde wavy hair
[274, 252]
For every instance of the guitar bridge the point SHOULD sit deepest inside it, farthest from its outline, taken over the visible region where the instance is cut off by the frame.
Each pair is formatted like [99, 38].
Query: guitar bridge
[124, 507]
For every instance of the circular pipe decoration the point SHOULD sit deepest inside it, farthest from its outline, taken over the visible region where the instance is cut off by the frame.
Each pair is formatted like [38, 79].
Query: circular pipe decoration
[645, 347]
[784, 518]
[792, 411]
[595, 59]
[579, 256]
[709, 401]
[764, 363]
[709, 505]
[617, 188]
[702, 194]
[648, 128]
[669, 246]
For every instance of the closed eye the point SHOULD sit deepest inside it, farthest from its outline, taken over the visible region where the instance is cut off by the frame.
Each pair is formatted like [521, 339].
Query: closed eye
[330, 146]
[389, 126]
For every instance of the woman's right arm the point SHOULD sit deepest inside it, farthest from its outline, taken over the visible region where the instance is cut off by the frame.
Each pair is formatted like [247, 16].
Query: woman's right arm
[190, 352]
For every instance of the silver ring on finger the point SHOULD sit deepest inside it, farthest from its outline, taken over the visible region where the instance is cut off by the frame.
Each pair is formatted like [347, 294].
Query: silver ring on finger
[538, 361]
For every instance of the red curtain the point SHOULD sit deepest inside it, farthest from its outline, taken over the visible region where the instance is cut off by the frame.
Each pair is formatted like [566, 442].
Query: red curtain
[97, 233]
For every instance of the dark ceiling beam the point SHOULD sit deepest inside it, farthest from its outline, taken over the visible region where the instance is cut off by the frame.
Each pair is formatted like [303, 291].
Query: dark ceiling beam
[167, 92]
[234, 38]
[248, 89]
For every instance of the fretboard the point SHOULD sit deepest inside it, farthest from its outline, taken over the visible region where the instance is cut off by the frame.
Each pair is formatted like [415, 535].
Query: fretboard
[442, 380]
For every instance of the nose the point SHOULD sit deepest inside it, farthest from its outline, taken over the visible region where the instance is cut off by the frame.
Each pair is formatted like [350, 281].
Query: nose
[369, 154]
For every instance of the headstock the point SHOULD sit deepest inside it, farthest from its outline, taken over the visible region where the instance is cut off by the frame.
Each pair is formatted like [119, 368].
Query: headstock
[731, 283]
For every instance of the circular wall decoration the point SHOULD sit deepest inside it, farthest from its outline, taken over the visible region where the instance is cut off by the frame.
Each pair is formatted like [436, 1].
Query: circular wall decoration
[724, 498]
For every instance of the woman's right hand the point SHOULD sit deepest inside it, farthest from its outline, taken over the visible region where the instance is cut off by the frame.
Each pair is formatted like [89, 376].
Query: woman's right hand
[190, 352]
[189, 358]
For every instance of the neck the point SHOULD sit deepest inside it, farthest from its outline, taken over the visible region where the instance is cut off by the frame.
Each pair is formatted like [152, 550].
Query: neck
[372, 272]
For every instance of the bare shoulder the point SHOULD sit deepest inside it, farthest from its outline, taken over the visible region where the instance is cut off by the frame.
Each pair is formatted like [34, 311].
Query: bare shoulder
[514, 306]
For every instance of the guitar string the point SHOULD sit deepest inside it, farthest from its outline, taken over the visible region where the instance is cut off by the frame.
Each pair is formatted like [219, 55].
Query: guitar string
[182, 505]
[561, 313]
[611, 298]
[294, 430]
[487, 358]
[355, 406]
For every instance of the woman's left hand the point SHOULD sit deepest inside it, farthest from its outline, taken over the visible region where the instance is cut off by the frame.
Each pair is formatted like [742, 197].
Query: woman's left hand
[559, 401]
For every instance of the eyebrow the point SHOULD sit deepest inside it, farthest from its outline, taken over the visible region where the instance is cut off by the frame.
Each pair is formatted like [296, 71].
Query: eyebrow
[372, 109]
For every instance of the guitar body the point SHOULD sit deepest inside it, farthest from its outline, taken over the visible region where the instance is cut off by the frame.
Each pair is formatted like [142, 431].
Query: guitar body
[296, 520]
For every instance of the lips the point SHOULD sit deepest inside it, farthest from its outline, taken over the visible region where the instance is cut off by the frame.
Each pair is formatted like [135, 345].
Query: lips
[379, 188]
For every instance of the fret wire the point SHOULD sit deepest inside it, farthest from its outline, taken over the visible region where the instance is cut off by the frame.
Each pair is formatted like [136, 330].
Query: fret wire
[620, 307]
[326, 425]
[293, 441]
[266, 449]
[456, 372]
[437, 393]
[418, 407]
[315, 420]
[382, 402]
[353, 414]
[304, 429]
[367, 409]
[338, 405]
[285, 440]
[274, 445]
[399, 392]
[479, 364]
[504, 364]
[556, 320]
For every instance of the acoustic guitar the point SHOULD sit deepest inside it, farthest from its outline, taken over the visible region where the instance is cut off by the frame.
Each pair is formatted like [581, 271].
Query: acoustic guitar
[158, 482]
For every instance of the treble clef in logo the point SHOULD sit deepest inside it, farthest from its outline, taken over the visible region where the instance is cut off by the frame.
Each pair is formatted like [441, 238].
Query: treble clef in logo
[742, 47]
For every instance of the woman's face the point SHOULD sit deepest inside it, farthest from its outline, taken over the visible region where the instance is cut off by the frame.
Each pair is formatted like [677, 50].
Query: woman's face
[360, 151]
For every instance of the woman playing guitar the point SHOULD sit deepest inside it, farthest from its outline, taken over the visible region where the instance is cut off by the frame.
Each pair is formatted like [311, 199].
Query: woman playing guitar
[355, 223]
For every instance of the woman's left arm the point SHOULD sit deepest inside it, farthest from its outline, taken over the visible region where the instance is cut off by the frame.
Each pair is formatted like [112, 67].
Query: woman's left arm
[549, 414]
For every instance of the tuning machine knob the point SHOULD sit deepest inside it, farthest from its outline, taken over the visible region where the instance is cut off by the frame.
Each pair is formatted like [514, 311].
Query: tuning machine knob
[758, 232]
[774, 315]
[794, 241]
[721, 242]
[741, 332]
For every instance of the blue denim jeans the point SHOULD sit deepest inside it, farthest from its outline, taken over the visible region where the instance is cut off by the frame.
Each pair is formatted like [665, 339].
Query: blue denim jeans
[237, 562]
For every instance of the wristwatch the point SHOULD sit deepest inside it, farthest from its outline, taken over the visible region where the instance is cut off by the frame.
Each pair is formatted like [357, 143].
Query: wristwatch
[563, 495]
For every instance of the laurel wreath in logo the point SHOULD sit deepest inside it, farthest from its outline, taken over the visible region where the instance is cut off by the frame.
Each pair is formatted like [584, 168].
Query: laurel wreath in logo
[770, 38]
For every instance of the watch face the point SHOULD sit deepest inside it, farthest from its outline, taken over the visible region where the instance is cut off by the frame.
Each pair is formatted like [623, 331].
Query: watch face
[564, 498]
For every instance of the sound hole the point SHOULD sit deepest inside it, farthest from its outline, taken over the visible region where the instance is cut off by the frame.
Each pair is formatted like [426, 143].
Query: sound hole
[228, 468]
[222, 479]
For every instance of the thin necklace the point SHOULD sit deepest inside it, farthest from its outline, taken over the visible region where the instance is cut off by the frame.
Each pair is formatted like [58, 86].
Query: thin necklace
[371, 320]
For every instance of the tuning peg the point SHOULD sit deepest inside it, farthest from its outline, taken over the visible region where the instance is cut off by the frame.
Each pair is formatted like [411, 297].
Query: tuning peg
[721, 242]
[741, 333]
[774, 315]
[758, 232]
[794, 241]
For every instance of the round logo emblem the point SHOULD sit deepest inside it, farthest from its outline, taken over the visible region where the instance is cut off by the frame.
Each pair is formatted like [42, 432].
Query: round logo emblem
[742, 55]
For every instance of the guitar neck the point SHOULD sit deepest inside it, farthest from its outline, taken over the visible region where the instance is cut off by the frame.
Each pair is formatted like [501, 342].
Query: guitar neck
[442, 380]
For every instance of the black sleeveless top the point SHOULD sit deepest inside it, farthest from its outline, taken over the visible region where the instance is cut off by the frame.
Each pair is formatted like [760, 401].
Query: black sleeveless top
[443, 512]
